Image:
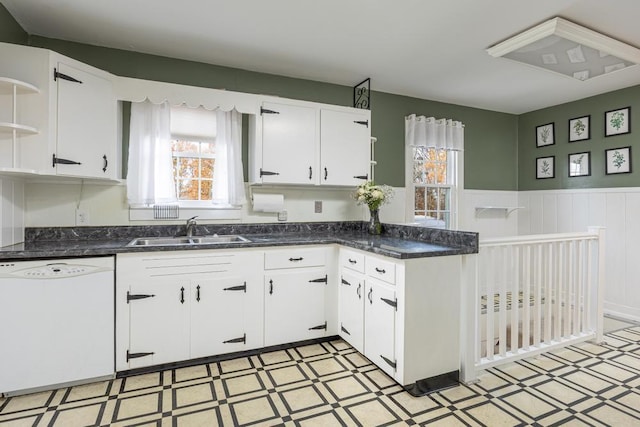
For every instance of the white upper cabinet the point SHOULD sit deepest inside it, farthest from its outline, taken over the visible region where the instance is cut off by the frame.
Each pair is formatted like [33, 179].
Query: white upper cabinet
[86, 125]
[297, 142]
[74, 114]
[289, 144]
[345, 147]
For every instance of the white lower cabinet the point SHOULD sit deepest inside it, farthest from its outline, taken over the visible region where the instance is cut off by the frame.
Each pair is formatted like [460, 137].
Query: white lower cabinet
[379, 325]
[298, 283]
[407, 320]
[175, 306]
[294, 305]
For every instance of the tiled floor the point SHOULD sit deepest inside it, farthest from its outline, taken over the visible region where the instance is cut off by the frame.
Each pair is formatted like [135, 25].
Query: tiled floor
[331, 384]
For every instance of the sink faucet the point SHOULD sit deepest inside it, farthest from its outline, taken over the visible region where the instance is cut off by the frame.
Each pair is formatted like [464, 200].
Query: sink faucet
[191, 224]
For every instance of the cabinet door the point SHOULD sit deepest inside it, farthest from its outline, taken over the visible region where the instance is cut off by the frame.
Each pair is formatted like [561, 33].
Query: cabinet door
[217, 316]
[345, 147]
[380, 318]
[351, 309]
[294, 306]
[159, 322]
[289, 144]
[86, 125]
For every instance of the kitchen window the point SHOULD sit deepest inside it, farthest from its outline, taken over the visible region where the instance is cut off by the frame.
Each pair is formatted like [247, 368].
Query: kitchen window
[433, 162]
[189, 157]
[193, 153]
[433, 170]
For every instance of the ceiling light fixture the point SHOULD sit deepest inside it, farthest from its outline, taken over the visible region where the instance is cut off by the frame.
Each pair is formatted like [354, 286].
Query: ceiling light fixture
[567, 48]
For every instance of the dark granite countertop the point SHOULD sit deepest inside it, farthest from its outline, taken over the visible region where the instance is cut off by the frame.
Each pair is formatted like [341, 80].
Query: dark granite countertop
[397, 241]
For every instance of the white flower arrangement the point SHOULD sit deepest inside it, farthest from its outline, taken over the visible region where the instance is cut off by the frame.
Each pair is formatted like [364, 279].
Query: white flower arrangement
[372, 195]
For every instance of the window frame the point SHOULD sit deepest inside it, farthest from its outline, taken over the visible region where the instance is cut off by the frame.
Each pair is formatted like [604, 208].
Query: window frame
[193, 155]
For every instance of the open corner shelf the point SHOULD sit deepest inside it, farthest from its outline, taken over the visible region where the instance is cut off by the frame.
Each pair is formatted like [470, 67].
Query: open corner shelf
[507, 210]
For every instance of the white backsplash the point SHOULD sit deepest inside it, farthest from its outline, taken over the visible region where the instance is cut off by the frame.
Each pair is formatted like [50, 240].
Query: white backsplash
[11, 211]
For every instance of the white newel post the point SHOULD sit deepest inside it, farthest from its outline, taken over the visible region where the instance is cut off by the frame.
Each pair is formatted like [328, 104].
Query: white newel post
[469, 318]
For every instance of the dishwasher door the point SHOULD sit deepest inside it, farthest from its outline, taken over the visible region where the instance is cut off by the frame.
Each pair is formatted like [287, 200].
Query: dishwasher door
[57, 323]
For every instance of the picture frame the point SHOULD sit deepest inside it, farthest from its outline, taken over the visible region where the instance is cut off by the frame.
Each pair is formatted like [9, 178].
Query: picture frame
[617, 122]
[580, 128]
[546, 167]
[618, 160]
[580, 164]
[545, 135]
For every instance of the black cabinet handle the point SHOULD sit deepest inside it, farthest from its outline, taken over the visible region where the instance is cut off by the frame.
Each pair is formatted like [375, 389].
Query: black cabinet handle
[296, 259]
[182, 295]
[270, 287]
[370, 296]
[326, 173]
[380, 271]
[352, 261]
[362, 122]
[310, 172]
[358, 291]
[106, 163]
[198, 293]
[324, 279]
[365, 177]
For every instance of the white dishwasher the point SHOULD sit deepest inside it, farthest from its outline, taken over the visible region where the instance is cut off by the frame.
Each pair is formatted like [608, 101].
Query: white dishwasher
[56, 323]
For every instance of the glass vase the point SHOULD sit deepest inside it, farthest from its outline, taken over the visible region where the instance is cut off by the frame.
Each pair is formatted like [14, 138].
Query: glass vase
[375, 227]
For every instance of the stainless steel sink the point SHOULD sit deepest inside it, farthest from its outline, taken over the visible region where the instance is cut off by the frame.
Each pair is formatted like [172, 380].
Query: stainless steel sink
[187, 241]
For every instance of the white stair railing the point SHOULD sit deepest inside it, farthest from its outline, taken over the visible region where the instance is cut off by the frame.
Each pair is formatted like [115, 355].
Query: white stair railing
[525, 295]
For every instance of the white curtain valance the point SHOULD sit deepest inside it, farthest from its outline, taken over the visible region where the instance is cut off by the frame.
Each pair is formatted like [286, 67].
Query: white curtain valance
[444, 134]
[138, 90]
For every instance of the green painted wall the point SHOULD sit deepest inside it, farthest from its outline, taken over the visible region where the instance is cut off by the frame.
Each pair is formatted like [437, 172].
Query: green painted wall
[10, 30]
[490, 137]
[560, 115]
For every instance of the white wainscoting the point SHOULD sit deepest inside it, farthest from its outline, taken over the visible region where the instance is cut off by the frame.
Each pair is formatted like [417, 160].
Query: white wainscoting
[11, 212]
[616, 209]
[489, 223]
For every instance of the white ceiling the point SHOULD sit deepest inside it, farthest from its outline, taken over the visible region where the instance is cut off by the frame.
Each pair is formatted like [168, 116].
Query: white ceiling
[431, 49]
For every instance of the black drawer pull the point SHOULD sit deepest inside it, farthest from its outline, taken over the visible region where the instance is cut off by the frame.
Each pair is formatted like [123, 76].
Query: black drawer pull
[352, 261]
[380, 271]
[295, 259]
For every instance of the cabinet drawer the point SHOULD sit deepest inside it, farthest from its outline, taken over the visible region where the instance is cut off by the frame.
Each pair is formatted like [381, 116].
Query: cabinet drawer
[381, 269]
[294, 258]
[352, 260]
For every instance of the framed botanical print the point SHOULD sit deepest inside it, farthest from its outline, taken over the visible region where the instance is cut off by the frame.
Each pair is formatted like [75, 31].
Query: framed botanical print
[618, 160]
[580, 129]
[545, 167]
[545, 135]
[617, 122]
[580, 164]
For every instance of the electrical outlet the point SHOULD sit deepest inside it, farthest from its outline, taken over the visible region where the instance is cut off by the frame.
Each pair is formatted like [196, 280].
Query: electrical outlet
[82, 217]
[318, 206]
[282, 216]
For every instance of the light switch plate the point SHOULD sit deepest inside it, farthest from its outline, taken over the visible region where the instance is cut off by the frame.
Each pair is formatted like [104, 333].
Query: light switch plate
[282, 216]
[318, 206]
[82, 217]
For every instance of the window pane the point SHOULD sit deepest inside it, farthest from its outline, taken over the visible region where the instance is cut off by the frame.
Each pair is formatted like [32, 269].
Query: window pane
[444, 199]
[207, 168]
[419, 199]
[187, 189]
[205, 190]
[432, 199]
[187, 167]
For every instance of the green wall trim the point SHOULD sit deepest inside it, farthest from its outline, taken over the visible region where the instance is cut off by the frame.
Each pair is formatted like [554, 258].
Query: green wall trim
[10, 30]
[595, 106]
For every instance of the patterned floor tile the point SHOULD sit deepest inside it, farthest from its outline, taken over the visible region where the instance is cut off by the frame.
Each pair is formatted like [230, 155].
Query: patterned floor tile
[332, 384]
